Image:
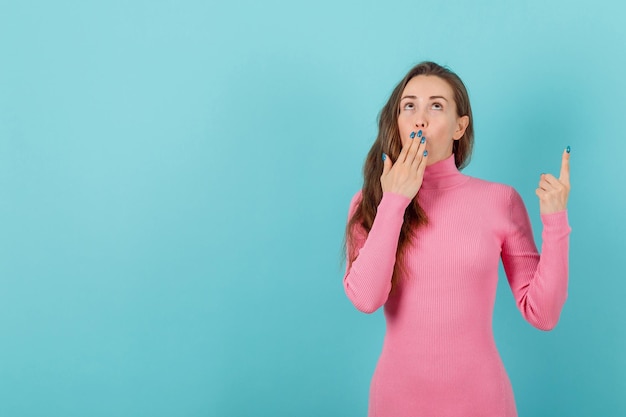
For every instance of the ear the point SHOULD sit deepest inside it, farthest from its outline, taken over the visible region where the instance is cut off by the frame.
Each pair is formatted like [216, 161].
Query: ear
[461, 124]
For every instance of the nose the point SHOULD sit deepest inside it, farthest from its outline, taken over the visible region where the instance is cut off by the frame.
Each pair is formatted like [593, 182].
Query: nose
[421, 120]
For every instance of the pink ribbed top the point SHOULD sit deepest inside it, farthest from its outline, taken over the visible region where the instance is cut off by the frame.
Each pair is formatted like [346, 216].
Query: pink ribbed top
[439, 356]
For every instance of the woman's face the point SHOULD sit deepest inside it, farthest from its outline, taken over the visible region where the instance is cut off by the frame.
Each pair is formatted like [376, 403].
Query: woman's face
[427, 104]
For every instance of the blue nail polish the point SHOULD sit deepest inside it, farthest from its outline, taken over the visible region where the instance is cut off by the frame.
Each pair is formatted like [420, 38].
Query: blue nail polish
[568, 149]
[412, 135]
[384, 157]
[425, 153]
[419, 134]
[423, 139]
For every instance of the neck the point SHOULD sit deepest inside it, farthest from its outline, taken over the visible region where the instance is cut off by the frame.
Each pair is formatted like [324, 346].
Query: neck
[442, 174]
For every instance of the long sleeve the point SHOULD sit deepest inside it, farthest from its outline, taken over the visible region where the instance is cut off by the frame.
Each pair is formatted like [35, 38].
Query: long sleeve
[367, 281]
[539, 282]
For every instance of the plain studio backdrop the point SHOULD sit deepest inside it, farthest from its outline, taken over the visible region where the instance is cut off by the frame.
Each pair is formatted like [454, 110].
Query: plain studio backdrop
[174, 185]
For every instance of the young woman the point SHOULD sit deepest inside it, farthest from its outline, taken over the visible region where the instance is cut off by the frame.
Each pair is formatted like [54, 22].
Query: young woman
[425, 241]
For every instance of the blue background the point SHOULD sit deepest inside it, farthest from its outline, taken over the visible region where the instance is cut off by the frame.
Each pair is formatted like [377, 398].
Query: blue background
[174, 185]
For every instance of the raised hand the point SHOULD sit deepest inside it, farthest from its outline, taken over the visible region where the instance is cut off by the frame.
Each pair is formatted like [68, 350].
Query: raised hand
[553, 192]
[405, 176]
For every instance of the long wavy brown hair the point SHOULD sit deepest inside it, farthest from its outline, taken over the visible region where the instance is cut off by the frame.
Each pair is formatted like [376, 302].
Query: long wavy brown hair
[388, 141]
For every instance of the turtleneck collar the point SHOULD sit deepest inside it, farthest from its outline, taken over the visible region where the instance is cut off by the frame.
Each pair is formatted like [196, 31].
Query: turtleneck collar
[443, 174]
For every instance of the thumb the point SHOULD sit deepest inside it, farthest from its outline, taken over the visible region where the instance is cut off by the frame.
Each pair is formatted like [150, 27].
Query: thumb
[386, 164]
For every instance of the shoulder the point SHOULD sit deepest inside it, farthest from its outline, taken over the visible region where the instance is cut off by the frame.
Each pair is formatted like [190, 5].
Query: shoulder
[354, 202]
[356, 198]
[497, 189]
[501, 197]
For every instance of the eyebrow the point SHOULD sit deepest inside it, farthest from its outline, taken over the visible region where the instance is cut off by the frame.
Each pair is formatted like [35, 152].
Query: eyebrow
[431, 97]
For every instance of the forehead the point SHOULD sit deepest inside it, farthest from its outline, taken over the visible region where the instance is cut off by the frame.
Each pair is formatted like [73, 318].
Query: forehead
[424, 86]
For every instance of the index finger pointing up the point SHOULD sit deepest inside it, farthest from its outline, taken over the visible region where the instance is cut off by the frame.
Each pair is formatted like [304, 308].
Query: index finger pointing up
[564, 176]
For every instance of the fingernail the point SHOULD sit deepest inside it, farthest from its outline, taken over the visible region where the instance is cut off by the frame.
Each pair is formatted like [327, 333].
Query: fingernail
[425, 153]
[568, 149]
[384, 157]
[419, 134]
[423, 139]
[412, 135]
